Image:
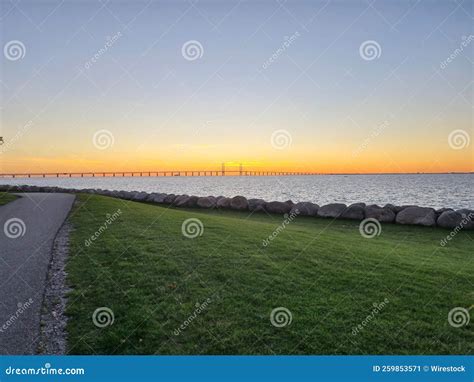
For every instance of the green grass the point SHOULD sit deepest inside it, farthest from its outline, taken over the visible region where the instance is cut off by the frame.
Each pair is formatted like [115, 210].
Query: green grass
[323, 271]
[6, 197]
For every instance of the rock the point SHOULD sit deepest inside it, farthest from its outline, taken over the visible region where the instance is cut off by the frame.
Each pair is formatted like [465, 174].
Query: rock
[150, 197]
[383, 215]
[140, 196]
[395, 209]
[239, 203]
[256, 205]
[181, 201]
[206, 202]
[449, 219]
[332, 210]
[278, 207]
[441, 210]
[354, 211]
[467, 218]
[169, 199]
[357, 205]
[304, 209]
[223, 203]
[417, 216]
[125, 195]
[159, 198]
[192, 202]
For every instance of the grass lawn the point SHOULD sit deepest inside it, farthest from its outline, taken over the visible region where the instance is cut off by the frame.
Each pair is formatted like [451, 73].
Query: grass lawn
[6, 197]
[324, 272]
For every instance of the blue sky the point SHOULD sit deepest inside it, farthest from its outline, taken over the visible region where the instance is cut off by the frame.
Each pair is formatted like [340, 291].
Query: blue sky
[161, 107]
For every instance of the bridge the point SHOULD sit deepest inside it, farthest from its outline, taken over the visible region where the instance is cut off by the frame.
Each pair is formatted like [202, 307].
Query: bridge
[151, 174]
[222, 172]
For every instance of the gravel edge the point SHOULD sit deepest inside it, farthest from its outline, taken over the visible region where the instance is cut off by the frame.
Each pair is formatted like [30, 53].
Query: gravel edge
[53, 335]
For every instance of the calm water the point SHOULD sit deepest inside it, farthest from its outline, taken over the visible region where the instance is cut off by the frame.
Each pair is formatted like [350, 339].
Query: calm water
[431, 190]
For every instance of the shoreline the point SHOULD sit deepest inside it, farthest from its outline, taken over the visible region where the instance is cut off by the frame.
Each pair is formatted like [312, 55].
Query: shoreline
[406, 214]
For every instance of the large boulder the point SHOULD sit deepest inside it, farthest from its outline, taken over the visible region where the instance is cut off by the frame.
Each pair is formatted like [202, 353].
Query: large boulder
[239, 203]
[256, 205]
[223, 202]
[441, 210]
[169, 199]
[304, 209]
[127, 195]
[333, 210]
[358, 204]
[383, 215]
[206, 202]
[395, 209]
[354, 211]
[417, 216]
[150, 197]
[449, 219]
[137, 196]
[467, 218]
[181, 201]
[159, 198]
[192, 202]
[278, 207]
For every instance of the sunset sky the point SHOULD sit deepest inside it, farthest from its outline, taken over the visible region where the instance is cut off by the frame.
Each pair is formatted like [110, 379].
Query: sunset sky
[108, 86]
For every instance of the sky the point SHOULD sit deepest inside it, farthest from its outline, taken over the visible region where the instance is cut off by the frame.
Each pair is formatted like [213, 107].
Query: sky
[320, 86]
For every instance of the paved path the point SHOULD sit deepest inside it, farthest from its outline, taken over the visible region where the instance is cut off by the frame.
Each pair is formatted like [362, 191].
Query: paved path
[28, 226]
